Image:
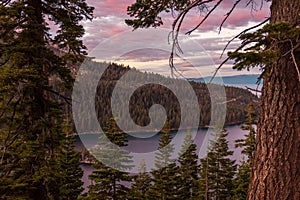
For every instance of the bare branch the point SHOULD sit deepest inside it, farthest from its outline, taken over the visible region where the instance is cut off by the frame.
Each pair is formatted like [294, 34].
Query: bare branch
[294, 59]
[231, 100]
[228, 14]
[178, 23]
[253, 5]
[204, 19]
[176, 28]
[251, 89]
[67, 99]
[291, 51]
[218, 68]
[5, 2]
[261, 4]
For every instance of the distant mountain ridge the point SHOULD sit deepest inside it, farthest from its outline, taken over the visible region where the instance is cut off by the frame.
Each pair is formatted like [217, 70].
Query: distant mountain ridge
[231, 80]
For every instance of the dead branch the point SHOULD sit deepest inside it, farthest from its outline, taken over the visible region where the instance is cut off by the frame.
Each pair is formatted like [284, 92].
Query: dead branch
[5, 2]
[231, 100]
[204, 19]
[228, 14]
[294, 59]
[224, 61]
[179, 20]
[176, 28]
[251, 89]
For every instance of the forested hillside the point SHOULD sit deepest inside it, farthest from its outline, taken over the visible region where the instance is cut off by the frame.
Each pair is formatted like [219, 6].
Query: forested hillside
[147, 95]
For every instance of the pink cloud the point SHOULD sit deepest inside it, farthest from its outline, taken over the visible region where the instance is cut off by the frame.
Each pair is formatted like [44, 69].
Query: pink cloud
[239, 17]
[110, 7]
[111, 14]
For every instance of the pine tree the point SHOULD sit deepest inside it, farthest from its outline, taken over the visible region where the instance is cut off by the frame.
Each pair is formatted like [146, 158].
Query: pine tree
[241, 182]
[71, 173]
[141, 183]
[31, 124]
[108, 176]
[248, 145]
[188, 170]
[217, 170]
[164, 175]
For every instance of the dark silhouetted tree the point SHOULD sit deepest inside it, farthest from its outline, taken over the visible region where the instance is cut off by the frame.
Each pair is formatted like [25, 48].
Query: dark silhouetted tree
[34, 58]
[248, 144]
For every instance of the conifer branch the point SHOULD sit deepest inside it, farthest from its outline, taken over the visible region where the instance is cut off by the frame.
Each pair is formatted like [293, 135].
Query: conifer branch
[243, 32]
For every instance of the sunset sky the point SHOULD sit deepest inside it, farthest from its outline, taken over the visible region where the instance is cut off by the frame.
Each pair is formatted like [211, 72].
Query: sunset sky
[109, 38]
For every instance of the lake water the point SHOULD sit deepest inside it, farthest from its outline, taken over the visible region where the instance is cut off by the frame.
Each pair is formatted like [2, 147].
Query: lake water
[150, 144]
[145, 145]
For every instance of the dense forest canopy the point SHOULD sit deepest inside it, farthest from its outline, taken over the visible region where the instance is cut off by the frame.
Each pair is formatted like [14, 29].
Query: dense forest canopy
[147, 95]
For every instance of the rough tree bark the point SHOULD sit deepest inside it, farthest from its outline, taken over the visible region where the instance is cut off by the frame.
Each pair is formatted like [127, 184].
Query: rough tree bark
[276, 167]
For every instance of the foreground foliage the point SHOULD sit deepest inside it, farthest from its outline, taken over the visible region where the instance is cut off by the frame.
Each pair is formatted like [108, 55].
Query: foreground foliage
[108, 177]
[35, 148]
[217, 169]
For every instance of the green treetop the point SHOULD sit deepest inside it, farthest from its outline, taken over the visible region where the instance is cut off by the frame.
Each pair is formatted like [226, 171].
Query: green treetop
[248, 145]
[188, 170]
[165, 175]
[141, 184]
[70, 173]
[217, 170]
[108, 177]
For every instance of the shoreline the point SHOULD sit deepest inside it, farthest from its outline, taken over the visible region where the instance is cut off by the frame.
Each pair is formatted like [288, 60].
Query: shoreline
[172, 129]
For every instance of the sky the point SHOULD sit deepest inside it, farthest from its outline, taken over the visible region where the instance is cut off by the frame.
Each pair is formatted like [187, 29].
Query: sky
[109, 39]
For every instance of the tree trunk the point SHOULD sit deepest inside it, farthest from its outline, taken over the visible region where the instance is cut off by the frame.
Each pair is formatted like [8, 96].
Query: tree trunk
[276, 168]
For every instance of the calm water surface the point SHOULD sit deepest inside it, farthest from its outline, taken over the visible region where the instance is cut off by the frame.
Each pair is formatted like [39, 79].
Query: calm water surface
[145, 145]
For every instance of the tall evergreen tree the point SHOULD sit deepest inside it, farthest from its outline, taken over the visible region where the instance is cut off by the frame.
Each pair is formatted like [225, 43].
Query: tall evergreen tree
[217, 170]
[248, 145]
[188, 170]
[31, 119]
[141, 183]
[241, 182]
[165, 173]
[108, 177]
[70, 173]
